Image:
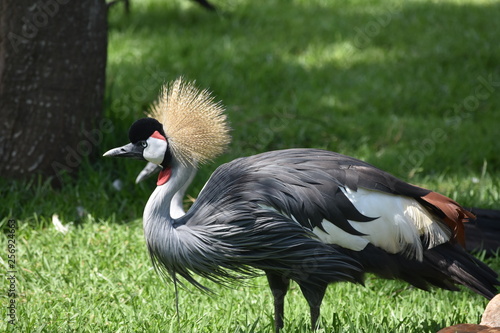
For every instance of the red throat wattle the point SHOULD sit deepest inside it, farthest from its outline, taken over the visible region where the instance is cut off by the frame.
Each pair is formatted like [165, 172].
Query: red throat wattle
[164, 176]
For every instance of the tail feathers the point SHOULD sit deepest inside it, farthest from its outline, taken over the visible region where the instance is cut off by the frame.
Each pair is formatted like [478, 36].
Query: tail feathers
[444, 266]
[396, 266]
[464, 269]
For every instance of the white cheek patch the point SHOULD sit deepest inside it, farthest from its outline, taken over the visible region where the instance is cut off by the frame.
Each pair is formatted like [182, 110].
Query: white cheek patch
[156, 149]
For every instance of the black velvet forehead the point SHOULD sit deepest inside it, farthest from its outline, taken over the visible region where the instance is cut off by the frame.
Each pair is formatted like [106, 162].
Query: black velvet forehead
[143, 128]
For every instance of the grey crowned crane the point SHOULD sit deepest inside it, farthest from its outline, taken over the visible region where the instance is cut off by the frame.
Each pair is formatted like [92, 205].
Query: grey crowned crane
[307, 215]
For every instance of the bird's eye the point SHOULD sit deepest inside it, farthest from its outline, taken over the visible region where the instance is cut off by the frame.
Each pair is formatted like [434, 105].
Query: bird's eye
[144, 144]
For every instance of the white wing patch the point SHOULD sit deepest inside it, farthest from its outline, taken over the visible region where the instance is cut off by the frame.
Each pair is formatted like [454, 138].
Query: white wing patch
[400, 224]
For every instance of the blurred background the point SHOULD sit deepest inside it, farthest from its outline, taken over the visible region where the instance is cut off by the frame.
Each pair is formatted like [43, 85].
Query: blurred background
[411, 87]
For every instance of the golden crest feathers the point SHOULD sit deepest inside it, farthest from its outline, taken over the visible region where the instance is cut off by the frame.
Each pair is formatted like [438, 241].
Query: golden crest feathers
[194, 123]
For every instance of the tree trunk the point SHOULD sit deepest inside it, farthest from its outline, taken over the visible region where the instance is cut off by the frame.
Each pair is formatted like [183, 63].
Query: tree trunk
[52, 75]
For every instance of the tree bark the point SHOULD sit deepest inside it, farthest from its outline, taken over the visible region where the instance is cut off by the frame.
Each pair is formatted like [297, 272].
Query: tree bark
[52, 76]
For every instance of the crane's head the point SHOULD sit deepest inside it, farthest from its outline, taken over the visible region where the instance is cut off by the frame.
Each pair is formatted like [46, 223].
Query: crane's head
[185, 125]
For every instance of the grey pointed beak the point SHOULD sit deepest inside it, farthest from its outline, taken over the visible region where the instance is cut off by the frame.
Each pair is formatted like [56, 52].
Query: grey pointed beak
[149, 170]
[129, 150]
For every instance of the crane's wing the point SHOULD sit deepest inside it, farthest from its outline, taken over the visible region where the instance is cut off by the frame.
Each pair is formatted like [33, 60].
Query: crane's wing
[306, 214]
[342, 200]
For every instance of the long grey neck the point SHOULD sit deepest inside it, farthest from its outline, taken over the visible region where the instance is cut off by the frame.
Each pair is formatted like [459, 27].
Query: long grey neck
[177, 202]
[158, 207]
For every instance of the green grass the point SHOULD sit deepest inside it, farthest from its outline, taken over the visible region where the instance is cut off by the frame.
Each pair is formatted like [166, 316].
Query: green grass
[398, 85]
[98, 278]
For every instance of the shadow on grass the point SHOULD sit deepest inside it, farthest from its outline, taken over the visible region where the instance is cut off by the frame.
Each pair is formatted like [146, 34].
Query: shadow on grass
[379, 82]
[380, 77]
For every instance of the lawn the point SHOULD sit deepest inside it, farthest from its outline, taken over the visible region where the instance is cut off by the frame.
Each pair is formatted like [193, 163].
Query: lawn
[412, 87]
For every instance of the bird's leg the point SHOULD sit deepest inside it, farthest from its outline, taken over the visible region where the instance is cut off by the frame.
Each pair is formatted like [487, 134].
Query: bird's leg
[314, 295]
[279, 287]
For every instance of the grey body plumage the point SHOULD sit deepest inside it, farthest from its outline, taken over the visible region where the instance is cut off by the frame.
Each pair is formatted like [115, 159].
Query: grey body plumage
[231, 230]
